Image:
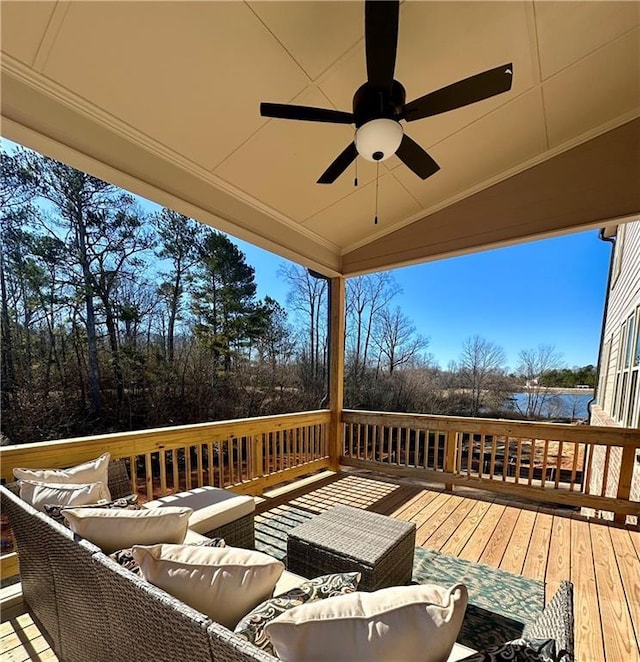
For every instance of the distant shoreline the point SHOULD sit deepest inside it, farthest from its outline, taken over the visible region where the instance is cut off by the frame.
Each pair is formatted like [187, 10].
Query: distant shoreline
[561, 390]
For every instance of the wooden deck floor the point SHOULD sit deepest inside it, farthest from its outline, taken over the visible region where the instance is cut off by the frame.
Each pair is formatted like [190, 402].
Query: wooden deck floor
[603, 561]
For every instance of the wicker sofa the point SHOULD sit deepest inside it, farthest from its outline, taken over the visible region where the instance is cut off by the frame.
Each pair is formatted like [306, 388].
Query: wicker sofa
[90, 608]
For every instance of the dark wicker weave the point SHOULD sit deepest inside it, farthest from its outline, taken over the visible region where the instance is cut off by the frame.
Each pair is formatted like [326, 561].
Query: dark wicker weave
[119, 482]
[556, 622]
[228, 647]
[85, 629]
[148, 624]
[31, 530]
[240, 533]
[346, 539]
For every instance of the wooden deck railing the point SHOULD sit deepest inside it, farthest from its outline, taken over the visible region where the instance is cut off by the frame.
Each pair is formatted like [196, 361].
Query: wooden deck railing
[246, 455]
[540, 461]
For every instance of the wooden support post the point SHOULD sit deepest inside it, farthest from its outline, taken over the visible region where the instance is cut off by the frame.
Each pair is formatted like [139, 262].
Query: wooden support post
[626, 476]
[336, 370]
[450, 456]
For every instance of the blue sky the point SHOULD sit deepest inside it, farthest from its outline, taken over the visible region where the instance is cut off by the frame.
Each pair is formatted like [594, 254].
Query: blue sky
[544, 292]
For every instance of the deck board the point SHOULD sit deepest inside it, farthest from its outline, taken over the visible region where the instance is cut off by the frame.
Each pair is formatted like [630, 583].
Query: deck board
[476, 544]
[497, 544]
[618, 635]
[461, 535]
[514, 555]
[535, 562]
[589, 644]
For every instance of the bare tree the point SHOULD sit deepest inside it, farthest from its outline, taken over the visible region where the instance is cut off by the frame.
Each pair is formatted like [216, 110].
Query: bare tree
[308, 300]
[534, 364]
[482, 365]
[366, 298]
[396, 339]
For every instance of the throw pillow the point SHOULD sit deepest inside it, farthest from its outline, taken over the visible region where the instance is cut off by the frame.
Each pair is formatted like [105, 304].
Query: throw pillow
[124, 557]
[94, 471]
[397, 623]
[128, 503]
[251, 627]
[39, 494]
[519, 650]
[112, 529]
[223, 583]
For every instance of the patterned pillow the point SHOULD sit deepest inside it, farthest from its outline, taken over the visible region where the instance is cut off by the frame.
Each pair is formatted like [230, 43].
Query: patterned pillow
[520, 650]
[124, 557]
[251, 627]
[126, 503]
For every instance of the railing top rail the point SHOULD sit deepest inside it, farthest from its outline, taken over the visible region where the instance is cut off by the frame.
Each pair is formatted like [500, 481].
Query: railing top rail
[64, 452]
[607, 436]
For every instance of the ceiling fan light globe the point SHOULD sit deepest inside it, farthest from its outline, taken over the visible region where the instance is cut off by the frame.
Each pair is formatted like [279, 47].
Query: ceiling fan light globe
[381, 136]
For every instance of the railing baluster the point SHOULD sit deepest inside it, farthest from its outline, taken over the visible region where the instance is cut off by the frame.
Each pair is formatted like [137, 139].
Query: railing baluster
[558, 464]
[494, 446]
[163, 472]
[187, 467]
[605, 472]
[532, 459]
[199, 464]
[576, 452]
[587, 481]
[210, 477]
[518, 458]
[133, 474]
[148, 476]
[544, 461]
[481, 457]
[506, 456]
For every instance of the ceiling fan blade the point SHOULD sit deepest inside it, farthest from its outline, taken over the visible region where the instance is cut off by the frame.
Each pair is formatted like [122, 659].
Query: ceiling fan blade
[381, 40]
[344, 160]
[286, 111]
[415, 158]
[464, 92]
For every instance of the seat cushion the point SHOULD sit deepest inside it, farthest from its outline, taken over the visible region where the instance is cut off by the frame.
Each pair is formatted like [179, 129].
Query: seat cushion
[224, 583]
[212, 507]
[418, 623]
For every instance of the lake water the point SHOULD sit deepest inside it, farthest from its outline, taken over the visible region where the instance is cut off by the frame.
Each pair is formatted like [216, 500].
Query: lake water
[557, 405]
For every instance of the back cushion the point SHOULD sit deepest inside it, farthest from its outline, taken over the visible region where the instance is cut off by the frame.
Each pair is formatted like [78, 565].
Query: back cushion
[397, 623]
[117, 529]
[94, 471]
[223, 583]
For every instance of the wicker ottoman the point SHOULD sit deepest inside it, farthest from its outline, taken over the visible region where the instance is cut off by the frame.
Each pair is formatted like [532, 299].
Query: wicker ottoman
[346, 539]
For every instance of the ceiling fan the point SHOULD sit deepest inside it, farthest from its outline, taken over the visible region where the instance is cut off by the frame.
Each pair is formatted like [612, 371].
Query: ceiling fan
[379, 104]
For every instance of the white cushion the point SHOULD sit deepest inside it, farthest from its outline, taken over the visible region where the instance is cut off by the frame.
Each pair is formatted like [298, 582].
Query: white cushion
[118, 529]
[288, 580]
[40, 494]
[225, 583]
[212, 507]
[417, 623]
[94, 471]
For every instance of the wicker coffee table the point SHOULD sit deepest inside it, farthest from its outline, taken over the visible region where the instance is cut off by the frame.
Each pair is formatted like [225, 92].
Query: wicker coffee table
[346, 539]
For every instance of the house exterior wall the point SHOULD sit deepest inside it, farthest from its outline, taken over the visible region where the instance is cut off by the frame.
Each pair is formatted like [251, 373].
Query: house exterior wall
[618, 395]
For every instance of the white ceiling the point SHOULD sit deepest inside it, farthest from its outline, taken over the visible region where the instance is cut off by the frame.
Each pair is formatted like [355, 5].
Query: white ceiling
[163, 98]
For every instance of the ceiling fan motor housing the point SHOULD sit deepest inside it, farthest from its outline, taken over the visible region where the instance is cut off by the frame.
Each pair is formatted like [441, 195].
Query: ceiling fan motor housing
[376, 113]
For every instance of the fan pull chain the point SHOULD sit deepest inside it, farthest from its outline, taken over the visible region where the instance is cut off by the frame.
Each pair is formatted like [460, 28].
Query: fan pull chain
[355, 181]
[375, 220]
